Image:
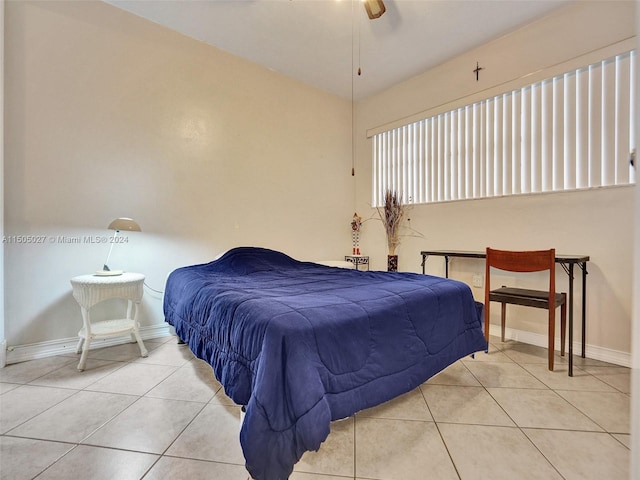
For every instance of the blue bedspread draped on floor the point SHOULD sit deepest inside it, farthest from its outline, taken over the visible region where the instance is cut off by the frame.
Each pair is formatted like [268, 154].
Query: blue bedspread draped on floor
[301, 344]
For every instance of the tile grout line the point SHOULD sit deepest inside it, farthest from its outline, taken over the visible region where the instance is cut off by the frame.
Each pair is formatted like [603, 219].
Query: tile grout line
[444, 443]
[548, 387]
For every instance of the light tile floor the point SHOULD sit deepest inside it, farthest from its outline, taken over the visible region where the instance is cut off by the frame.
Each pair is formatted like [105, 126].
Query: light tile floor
[496, 416]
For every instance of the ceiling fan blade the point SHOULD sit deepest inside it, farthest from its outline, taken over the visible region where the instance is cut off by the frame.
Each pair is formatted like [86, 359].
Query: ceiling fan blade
[374, 8]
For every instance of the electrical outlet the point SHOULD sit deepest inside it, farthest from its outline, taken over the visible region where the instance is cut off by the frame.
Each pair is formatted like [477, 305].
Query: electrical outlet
[477, 281]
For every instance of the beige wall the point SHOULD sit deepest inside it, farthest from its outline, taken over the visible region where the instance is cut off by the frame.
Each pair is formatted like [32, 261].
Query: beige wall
[108, 115]
[598, 222]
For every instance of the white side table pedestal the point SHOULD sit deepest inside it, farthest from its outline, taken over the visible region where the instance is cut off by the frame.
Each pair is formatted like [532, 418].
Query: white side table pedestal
[89, 290]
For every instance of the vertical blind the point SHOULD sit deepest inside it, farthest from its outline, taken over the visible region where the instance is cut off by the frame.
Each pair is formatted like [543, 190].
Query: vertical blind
[569, 132]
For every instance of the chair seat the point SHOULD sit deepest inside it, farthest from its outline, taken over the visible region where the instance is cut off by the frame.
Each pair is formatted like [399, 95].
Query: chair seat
[526, 297]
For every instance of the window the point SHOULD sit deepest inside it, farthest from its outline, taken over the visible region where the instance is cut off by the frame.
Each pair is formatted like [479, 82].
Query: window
[572, 131]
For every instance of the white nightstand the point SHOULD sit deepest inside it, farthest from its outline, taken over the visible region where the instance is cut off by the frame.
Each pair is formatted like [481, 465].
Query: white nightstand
[89, 290]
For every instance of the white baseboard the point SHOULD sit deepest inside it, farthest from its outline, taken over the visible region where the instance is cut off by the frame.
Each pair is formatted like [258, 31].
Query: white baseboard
[65, 346]
[592, 351]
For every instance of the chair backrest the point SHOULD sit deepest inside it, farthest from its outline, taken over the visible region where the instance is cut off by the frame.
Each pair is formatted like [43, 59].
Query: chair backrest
[522, 261]
[527, 261]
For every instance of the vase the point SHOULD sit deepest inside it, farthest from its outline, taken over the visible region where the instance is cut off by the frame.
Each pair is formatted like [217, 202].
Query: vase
[392, 263]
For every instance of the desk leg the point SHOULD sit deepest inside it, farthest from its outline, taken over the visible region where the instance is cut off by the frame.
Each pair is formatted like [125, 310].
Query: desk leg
[583, 266]
[570, 272]
[446, 264]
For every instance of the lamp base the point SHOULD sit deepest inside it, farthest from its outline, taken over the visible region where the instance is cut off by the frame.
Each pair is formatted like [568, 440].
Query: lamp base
[108, 273]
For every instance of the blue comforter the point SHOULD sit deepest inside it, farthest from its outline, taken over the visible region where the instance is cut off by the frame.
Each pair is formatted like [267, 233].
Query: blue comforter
[301, 344]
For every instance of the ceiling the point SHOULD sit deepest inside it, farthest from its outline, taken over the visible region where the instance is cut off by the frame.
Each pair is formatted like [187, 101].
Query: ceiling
[323, 42]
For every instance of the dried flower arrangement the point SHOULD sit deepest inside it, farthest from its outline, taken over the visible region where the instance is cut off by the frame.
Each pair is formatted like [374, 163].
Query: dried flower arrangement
[392, 216]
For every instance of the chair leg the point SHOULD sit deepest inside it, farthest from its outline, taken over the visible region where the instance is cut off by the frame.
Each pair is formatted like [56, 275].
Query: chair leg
[563, 324]
[503, 319]
[487, 319]
[552, 333]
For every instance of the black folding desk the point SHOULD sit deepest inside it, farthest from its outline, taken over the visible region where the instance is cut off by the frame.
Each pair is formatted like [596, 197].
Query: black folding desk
[566, 261]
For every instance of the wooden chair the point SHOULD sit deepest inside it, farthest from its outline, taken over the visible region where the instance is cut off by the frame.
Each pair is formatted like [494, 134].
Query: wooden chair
[528, 261]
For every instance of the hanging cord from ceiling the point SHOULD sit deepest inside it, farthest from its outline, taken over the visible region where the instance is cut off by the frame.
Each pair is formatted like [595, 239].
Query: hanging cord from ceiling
[359, 71]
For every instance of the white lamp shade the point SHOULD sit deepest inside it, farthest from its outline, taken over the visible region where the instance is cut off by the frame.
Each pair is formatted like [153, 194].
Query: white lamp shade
[124, 223]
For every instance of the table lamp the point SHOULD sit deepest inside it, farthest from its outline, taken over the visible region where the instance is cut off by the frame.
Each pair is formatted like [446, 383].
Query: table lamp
[118, 224]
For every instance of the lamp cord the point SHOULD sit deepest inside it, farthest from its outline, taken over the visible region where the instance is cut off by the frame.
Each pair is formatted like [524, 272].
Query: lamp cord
[153, 289]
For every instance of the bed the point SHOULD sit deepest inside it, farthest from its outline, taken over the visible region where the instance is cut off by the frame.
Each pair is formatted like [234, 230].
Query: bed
[300, 344]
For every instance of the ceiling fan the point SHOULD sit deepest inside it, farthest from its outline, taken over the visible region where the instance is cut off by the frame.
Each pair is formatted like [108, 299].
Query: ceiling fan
[374, 8]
